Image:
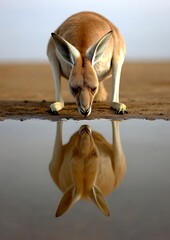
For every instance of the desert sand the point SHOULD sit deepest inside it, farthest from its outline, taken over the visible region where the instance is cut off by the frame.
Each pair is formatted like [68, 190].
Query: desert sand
[27, 90]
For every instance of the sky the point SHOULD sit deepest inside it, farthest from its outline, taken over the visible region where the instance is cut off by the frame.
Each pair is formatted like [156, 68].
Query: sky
[25, 26]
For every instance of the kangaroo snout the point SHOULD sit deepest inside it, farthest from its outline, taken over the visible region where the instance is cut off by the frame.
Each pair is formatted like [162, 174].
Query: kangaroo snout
[85, 112]
[84, 101]
[84, 129]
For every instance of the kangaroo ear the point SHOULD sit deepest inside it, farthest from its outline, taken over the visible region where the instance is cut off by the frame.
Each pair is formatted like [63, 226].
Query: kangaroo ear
[67, 51]
[95, 51]
[69, 198]
[97, 197]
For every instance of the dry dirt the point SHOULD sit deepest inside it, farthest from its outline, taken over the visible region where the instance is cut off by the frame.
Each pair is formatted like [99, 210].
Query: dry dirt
[26, 91]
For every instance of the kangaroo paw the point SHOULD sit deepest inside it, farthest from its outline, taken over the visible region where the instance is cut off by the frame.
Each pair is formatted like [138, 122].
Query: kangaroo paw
[119, 107]
[56, 107]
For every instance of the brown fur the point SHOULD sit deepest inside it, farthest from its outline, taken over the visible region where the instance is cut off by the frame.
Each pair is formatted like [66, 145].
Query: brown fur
[83, 31]
[87, 165]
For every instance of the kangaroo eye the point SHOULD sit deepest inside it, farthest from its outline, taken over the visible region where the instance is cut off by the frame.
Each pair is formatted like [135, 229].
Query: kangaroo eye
[75, 90]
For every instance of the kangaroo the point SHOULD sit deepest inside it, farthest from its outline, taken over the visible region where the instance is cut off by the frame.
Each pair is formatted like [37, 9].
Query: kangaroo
[87, 167]
[86, 49]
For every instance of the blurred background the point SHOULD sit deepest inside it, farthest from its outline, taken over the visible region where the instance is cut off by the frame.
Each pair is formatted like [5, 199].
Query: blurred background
[25, 26]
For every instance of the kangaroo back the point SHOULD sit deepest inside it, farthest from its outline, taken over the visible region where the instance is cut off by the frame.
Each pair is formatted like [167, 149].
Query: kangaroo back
[84, 29]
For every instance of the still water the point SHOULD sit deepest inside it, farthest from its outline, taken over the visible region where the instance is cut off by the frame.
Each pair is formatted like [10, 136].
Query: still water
[128, 171]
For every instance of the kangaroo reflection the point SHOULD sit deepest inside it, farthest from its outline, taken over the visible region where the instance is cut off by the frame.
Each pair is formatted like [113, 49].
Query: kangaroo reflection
[87, 166]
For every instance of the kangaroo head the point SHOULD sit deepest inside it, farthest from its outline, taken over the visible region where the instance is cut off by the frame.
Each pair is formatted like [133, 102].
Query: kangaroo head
[83, 81]
[83, 85]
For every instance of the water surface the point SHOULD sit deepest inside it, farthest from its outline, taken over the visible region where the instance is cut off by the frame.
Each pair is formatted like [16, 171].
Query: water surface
[139, 206]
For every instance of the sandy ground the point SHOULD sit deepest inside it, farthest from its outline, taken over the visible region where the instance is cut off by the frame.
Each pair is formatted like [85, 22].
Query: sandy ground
[27, 90]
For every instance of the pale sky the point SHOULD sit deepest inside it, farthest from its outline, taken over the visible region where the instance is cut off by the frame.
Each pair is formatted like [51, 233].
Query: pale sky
[25, 26]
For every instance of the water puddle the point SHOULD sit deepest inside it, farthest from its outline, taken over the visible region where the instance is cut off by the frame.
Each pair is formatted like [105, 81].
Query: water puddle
[49, 168]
